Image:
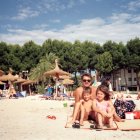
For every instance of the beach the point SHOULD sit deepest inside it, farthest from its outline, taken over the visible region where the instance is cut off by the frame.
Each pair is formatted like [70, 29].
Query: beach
[26, 119]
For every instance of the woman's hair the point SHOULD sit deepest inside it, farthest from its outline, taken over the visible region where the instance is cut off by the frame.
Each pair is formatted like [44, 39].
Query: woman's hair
[105, 90]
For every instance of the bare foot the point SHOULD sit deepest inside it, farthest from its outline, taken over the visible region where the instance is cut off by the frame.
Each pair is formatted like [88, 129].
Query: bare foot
[68, 125]
[81, 123]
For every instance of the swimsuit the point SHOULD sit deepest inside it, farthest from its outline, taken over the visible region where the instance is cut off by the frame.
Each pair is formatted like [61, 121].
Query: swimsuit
[102, 106]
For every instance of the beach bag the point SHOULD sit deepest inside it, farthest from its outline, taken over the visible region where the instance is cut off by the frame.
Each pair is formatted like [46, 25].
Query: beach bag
[121, 107]
[136, 114]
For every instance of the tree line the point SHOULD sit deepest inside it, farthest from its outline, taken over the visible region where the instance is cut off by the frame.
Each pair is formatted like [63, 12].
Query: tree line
[73, 57]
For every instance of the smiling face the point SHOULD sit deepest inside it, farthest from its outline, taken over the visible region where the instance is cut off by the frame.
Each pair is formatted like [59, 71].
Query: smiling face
[86, 93]
[100, 95]
[86, 81]
[86, 96]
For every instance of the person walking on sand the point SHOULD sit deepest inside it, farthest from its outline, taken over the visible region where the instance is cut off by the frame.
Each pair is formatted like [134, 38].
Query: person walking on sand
[103, 108]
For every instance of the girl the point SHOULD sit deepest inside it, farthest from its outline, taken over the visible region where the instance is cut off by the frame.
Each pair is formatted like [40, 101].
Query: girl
[103, 108]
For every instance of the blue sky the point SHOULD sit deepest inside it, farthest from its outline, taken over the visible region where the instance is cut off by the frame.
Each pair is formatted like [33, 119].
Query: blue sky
[69, 20]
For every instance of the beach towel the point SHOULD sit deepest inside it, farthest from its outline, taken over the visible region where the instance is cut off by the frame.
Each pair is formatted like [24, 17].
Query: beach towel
[88, 125]
[128, 125]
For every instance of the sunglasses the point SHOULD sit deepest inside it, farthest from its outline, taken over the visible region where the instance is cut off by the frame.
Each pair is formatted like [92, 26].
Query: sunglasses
[84, 80]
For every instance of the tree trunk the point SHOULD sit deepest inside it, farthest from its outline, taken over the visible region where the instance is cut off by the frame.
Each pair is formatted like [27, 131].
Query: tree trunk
[138, 83]
[126, 85]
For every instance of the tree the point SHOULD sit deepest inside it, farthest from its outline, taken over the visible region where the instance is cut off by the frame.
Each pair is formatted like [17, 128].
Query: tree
[134, 57]
[104, 63]
[31, 55]
[45, 64]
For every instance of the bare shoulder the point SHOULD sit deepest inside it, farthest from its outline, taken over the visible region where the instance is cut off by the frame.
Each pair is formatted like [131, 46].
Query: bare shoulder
[79, 89]
[78, 93]
[93, 88]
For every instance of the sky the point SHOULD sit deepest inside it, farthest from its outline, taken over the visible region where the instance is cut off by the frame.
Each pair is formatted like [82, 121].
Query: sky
[69, 20]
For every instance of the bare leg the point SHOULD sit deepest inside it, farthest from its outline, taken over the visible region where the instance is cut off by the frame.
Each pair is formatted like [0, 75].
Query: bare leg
[100, 120]
[76, 111]
[110, 119]
[82, 114]
[117, 118]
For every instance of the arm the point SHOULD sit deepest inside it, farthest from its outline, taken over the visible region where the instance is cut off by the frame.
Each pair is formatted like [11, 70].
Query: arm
[110, 109]
[93, 94]
[77, 95]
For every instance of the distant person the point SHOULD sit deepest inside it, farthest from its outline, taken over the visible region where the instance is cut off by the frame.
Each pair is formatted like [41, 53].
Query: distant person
[0, 93]
[138, 97]
[12, 91]
[107, 83]
[49, 90]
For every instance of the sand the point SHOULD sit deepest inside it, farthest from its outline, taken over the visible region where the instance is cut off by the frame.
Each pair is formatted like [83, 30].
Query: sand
[25, 119]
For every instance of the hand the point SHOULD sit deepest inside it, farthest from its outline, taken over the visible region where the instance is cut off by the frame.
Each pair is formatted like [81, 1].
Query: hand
[109, 115]
[104, 114]
[82, 101]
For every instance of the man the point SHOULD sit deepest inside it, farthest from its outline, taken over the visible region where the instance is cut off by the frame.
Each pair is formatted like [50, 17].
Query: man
[86, 80]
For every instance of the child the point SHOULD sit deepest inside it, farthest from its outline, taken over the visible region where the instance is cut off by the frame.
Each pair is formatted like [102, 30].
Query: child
[86, 105]
[103, 108]
[83, 108]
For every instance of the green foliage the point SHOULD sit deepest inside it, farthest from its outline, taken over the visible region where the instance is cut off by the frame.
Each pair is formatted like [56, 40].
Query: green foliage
[104, 63]
[73, 57]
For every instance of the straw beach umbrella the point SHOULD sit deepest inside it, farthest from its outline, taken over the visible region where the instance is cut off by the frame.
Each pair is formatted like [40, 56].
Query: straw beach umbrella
[64, 77]
[19, 81]
[27, 82]
[8, 77]
[56, 72]
[68, 82]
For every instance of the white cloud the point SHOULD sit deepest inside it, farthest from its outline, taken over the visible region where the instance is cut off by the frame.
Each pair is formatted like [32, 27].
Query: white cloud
[134, 5]
[118, 27]
[25, 13]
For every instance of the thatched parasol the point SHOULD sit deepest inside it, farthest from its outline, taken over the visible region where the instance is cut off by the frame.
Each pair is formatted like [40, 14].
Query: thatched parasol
[8, 77]
[20, 80]
[68, 82]
[64, 77]
[56, 72]
[27, 82]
